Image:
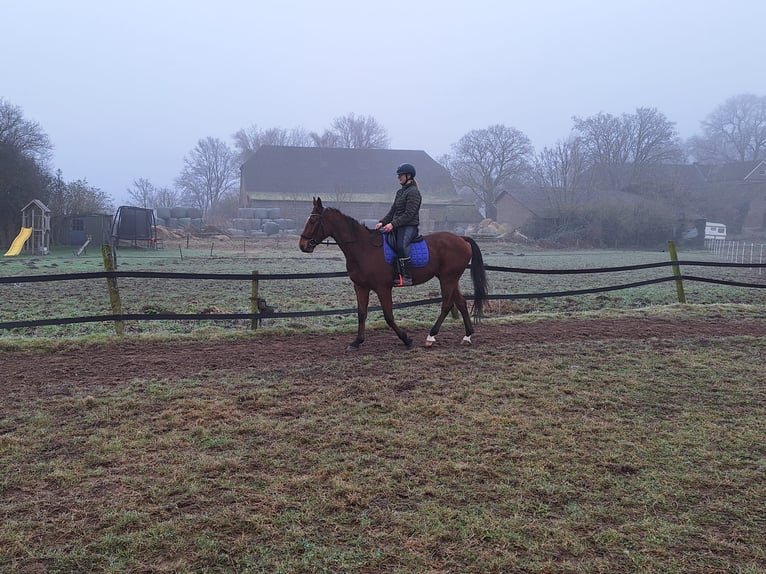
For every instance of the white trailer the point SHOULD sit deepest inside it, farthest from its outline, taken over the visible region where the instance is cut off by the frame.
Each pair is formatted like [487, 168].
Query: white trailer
[715, 230]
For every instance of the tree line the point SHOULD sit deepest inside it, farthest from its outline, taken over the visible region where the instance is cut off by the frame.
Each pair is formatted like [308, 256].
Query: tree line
[611, 151]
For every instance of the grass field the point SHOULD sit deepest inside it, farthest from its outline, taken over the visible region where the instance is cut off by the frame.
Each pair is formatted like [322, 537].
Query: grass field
[588, 456]
[603, 455]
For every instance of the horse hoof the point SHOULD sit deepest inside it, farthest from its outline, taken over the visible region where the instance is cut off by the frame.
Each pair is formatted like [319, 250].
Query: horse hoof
[466, 340]
[408, 344]
[430, 341]
[352, 348]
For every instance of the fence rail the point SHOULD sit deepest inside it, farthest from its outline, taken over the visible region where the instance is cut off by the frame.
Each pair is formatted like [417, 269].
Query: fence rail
[257, 314]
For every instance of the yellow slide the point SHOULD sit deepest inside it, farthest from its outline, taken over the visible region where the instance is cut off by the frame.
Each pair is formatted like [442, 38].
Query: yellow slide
[18, 243]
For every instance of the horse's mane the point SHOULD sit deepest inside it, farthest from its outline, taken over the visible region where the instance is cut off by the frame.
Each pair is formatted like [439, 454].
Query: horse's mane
[354, 226]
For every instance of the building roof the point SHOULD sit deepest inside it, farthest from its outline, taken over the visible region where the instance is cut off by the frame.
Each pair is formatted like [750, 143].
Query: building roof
[735, 171]
[287, 172]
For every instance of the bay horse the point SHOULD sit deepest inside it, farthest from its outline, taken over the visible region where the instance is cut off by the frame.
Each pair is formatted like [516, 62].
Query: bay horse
[449, 255]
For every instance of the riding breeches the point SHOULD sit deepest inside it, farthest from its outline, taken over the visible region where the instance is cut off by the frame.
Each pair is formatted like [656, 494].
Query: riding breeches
[404, 236]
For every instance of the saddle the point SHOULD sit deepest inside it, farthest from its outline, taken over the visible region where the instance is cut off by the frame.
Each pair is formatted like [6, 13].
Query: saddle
[418, 250]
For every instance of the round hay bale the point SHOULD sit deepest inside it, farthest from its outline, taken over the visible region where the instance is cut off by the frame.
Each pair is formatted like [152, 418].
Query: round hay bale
[178, 212]
[261, 213]
[274, 213]
[194, 212]
[271, 228]
[246, 212]
[243, 223]
[163, 212]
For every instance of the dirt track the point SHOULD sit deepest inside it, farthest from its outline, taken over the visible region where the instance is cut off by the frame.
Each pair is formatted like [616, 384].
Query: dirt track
[30, 373]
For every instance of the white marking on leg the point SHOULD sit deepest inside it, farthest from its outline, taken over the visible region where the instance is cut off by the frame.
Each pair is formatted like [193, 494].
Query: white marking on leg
[430, 341]
[467, 340]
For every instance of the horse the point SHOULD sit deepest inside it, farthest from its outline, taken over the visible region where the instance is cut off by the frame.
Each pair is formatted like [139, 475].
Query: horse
[448, 257]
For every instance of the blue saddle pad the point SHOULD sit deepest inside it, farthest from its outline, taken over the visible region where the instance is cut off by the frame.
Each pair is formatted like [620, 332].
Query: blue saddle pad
[418, 252]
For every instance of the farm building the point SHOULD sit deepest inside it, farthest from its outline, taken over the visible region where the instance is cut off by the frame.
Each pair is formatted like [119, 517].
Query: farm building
[359, 182]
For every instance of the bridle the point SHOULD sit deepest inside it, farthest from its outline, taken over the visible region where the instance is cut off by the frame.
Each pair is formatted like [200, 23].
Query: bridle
[312, 241]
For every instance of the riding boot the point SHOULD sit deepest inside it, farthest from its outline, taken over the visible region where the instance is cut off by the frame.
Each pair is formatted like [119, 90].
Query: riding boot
[405, 270]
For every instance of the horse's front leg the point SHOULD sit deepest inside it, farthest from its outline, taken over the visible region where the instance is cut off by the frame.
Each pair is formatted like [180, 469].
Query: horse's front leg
[362, 302]
[387, 303]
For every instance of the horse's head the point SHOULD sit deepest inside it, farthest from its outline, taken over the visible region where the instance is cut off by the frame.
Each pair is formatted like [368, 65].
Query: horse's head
[314, 232]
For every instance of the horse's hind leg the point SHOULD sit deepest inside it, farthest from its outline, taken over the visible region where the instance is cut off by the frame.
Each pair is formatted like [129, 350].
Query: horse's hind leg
[462, 306]
[448, 300]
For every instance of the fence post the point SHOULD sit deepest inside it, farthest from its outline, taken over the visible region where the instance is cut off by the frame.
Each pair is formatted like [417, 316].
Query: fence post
[254, 301]
[111, 284]
[676, 271]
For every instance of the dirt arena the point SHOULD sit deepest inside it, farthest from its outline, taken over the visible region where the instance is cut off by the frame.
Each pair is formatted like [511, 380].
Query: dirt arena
[33, 373]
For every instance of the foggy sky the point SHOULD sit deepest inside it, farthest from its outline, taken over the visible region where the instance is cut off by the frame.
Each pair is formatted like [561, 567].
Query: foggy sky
[125, 90]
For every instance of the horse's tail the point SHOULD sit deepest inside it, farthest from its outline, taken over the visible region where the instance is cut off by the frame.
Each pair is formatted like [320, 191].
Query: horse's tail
[479, 278]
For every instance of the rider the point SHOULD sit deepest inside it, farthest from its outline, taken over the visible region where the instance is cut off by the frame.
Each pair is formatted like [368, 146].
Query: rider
[403, 219]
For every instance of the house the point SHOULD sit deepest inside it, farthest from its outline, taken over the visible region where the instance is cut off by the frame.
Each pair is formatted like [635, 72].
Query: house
[359, 182]
[745, 185]
[518, 207]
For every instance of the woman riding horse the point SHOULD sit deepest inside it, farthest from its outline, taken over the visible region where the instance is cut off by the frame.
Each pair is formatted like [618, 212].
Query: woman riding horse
[448, 258]
[402, 220]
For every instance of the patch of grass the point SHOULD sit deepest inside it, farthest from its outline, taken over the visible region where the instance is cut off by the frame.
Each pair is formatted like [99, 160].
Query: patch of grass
[590, 456]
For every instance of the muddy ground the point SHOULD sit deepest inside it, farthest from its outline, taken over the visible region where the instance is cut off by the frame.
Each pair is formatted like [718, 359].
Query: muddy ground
[31, 373]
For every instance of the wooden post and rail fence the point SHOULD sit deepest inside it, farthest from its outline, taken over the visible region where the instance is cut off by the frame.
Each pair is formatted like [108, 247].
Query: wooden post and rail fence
[258, 309]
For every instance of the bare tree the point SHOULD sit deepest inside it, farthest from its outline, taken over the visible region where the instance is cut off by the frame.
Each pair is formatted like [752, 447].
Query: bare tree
[147, 195]
[326, 139]
[733, 131]
[167, 197]
[210, 171]
[25, 136]
[654, 139]
[142, 193]
[247, 141]
[644, 138]
[604, 138]
[486, 161]
[558, 173]
[635, 141]
[78, 198]
[362, 132]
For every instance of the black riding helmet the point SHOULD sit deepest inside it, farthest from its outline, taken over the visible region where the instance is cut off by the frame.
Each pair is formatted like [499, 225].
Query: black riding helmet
[406, 168]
